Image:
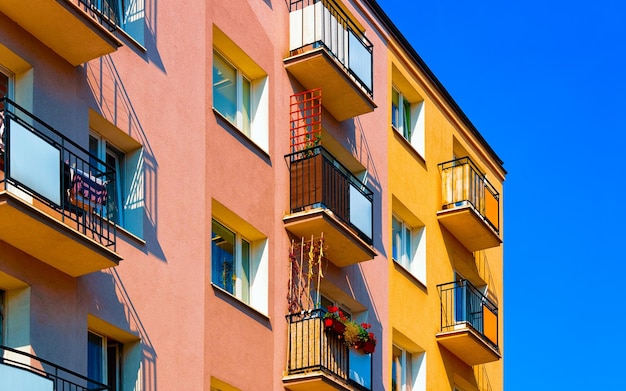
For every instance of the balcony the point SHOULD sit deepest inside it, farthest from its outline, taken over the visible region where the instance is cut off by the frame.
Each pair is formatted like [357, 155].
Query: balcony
[77, 30]
[471, 205]
[326, 198]
[56, 198]
[319, 361]
[24, 371]
[469, 323]
[329, 51]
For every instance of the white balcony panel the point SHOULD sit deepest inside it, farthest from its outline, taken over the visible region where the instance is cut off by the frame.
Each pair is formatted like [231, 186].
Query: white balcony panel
[35, 163]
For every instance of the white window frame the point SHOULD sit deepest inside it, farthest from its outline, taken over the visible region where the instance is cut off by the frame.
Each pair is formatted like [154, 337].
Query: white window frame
[256, 126]
[413, 260]
[252, 290]
[11, 79]
[243, 99]
[104, 360]
[412, 370]
[103, 148]
[414, 132]
[2, 315]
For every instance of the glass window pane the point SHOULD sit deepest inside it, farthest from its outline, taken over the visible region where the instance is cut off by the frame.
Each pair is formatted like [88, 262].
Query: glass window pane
[224, 88]
[223, 257]
[1, 316]
[245, 271]
[4, 88]
[406, 258]
[95, 364]
[406, 119]
[115, 159]
[396, 242]
[245, 106]
[395, 104]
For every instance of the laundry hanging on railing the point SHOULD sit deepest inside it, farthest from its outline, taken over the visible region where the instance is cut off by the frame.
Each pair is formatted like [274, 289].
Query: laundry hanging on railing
[87, 191]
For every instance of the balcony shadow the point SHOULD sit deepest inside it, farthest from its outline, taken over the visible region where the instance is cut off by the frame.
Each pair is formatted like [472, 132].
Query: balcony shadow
[140, 357]
[111, 100]
[357, 144]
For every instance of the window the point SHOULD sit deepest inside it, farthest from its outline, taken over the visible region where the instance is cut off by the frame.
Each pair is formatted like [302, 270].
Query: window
[104, 360]
[239, 263]
[129, 15]
[230, 261]
[327, 302]
[113, 157]
[4, 85]
[408, 370]
[1, 316]
[409, 247]
[240, 90]
[407, 111]
[401, 114]
[231, 93]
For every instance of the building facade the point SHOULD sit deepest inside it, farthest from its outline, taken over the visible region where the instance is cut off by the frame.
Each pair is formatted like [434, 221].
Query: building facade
[247, 195]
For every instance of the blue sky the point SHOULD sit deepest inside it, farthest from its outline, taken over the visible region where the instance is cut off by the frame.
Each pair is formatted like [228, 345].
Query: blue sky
[545, 84]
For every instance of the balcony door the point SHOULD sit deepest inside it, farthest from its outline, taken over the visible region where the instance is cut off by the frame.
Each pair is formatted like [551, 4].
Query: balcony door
[468, 304]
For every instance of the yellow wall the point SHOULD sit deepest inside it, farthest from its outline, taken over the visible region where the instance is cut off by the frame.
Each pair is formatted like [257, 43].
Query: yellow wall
[415, 192]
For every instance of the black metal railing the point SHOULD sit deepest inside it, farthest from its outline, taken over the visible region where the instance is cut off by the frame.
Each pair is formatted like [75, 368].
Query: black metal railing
[62, 379]
[463, 305]
[37, 160]
[322, 23]
[463, 184]
[317, 179]
[104, 12]
[312, 349]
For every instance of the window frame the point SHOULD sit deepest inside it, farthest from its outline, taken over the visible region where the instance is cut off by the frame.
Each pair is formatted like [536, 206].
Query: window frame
[236, 56]
[412, 367]
[241, 262]
[2, 314]
[414, 131]
[106, 344]
[241, 118]
[104, 149]
[255, 293]
[413, 258]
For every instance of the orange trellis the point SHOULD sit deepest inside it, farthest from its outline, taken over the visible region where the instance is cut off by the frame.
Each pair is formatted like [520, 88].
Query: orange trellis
[305, 118]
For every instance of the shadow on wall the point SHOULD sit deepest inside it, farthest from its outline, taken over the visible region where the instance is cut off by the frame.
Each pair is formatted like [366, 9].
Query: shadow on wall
[360, 149]
[150, 33]
[140, 357]
[113, 103]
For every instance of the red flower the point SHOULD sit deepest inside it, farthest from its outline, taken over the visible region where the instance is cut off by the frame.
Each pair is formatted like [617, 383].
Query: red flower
[332, 308]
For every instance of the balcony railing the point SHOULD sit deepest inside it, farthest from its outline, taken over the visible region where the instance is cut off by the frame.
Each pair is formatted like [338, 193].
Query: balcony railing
[315, 352]
[69, 183]
[464, 184]
[464, 306]
[319, 180]
[32, 372]
[322, 23]
[104, 12]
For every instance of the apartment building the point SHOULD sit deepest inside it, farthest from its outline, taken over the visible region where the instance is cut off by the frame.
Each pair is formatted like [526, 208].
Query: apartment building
[243, 195]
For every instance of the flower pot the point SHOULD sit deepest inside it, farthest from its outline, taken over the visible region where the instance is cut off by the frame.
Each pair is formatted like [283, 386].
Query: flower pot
[334, 325]
[368, 347]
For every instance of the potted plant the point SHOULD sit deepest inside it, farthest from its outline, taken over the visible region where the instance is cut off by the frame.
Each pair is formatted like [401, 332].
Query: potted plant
[335, 320]
[368, 339]
[357, 336]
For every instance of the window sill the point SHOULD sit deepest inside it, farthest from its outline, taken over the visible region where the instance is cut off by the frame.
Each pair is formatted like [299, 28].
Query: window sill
[130, 39]
[130, 235]
[237, 302]
[409, 276]
[242, 137]
[407, 145]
